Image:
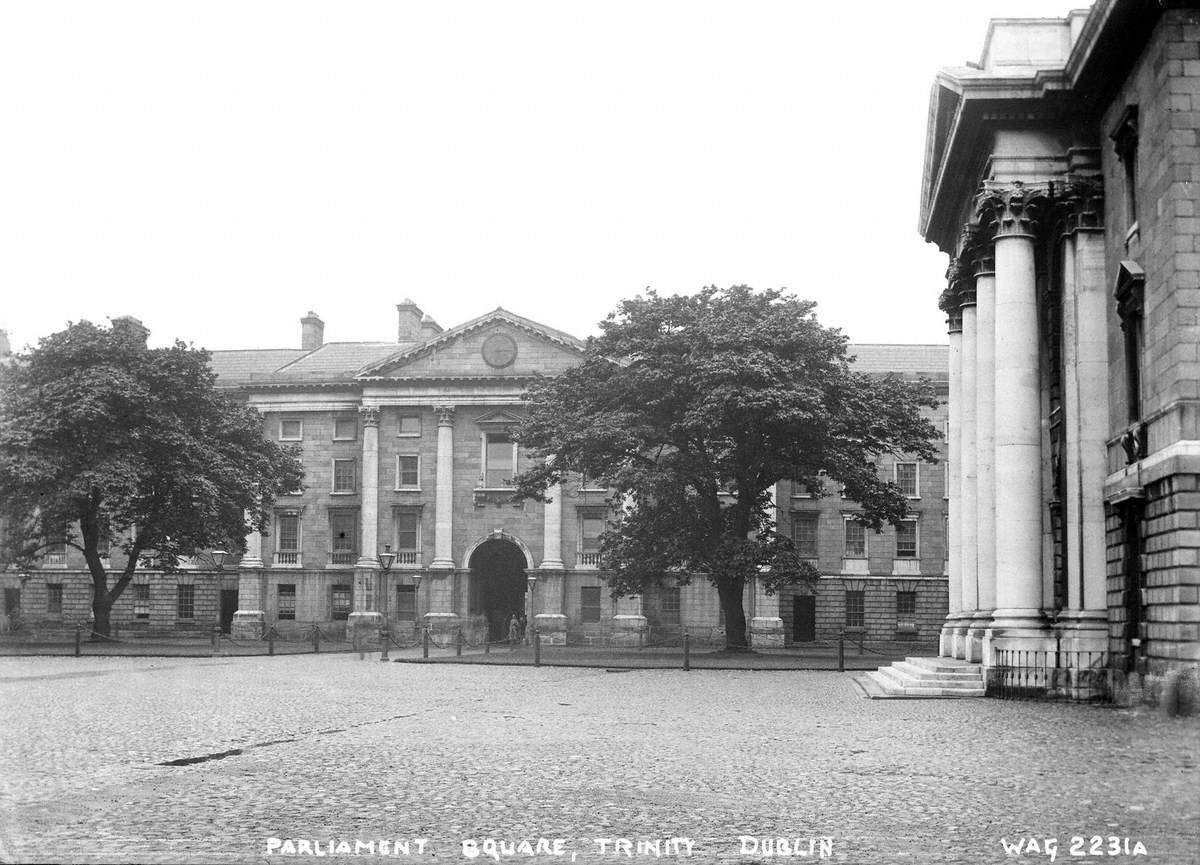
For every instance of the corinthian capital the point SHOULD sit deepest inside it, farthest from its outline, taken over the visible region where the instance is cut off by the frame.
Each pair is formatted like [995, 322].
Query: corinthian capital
[1081, 204]
[445, 414]
[1011, 210]
[369, 415]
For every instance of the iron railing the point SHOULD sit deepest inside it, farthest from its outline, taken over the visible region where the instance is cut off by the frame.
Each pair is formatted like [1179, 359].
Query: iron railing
[1055, 675]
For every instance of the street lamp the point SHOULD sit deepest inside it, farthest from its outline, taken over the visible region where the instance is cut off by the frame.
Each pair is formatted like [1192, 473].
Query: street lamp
[385, 563]
[531, 580]
[218, 557]
[416, 578]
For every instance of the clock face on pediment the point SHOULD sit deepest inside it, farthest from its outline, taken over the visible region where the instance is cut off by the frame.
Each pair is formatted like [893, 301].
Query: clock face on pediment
[499, 350]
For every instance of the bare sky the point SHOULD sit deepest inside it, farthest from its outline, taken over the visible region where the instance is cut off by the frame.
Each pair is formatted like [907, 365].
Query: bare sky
[218, 169]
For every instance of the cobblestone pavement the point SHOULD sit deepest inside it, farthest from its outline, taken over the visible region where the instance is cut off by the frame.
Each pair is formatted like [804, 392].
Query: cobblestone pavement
[331, 749]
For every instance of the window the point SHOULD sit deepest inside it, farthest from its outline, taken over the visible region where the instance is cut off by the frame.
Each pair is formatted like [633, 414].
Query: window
[408, 536]
[906, 539]
[906, 604]
[103, 546]
[345, 429]
[855, 609]
[408, 472]
[343, 535]
[287, 538]
[906, 479]
[591, 527]
[856, 539]
[589, 604]
[343, 476]
[410, 426]
[56, 553]
[291, 430]
[54, 598]
[12, 601]
[804, 533]
[340, 603]
[668, 608]
[141, 600]
[1125, 142]
[499, 460]
[185, 601]
[285, 601]
[406, 603]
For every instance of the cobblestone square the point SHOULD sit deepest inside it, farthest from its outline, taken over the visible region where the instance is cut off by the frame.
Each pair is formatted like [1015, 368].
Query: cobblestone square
[99, 764]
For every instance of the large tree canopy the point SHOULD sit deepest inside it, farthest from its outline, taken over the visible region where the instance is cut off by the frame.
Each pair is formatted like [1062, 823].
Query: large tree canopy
[106, 441]
[691, 408]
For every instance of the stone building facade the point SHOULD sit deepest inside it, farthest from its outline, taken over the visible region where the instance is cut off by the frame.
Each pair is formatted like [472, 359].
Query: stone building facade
[407, 452]
[1061, 177]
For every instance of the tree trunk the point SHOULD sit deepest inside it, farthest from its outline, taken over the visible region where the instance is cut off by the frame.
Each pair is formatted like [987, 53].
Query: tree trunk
[102, 612]
[730, 593]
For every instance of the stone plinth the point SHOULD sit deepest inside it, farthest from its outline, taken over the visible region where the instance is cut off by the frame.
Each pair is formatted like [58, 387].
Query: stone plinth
[248, 625]
[766, 632]
[369, 620]
[442, 625]
[552, 628]
[629, 630]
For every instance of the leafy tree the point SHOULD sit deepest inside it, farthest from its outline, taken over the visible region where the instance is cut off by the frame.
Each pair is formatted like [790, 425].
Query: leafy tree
[691, 408]
[100, 435]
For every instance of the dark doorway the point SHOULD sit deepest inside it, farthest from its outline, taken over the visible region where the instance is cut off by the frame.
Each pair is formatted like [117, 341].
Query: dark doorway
[804, 618]
[229, 605]
[497, 585]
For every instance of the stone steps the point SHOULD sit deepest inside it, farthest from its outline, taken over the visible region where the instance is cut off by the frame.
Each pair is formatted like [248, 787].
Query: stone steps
[923, 678]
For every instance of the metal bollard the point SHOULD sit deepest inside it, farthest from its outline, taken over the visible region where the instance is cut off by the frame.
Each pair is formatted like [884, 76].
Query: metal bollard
[841, 651]
[458, 643]
[487, 645]
[78, 640]
[383, 635]
[216, 639]
[687, 651]
[316, 640]
[357, 644]
[537, 647]
[271, 641]
[425, 643]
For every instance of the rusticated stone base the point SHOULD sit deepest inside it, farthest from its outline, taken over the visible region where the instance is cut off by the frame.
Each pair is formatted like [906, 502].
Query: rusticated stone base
[248, 625]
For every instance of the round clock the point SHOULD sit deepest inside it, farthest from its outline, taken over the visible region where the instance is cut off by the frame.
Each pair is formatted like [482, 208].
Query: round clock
[499, 350]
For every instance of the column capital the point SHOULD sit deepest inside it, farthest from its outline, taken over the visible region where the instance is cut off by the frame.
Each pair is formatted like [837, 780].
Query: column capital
[445, 414]
[1080, 204]
[369, 415]
[1011, 210]
[983, 258]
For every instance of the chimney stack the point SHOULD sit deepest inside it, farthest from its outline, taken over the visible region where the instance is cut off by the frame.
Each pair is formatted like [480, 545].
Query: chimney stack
[429, 327]
[312, 332]
[132, 326]
[409, 327]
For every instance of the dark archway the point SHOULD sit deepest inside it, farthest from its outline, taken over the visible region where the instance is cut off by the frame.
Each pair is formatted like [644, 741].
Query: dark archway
[497, 584]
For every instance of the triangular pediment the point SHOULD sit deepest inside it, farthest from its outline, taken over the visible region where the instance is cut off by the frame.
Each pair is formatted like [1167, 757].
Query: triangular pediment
[497, 344]
[497, 417]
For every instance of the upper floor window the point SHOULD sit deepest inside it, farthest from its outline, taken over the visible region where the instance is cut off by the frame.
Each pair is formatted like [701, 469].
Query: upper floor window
[804, 533]
[287, 538]
[343, 476]
[343, 537]
[906, 539]
[856, 539]
[345, 429]
[410, 426]
[907, 478]
[408, 536]
[591, 527]
[1125, 141]
[499, 460]
[291, 430]
[408, 471]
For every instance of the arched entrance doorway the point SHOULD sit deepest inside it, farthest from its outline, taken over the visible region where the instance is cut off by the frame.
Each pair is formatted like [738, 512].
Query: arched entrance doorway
[497, 584]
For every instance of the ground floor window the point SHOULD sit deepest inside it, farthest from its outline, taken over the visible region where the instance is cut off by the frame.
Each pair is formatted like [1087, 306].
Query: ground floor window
[406, 603]
[185, 602]
[906, 604]
[340, 603]
[669, 605]
[141, 600]
[54, 598]
[855, 609]
[589, 604]
[285, 599]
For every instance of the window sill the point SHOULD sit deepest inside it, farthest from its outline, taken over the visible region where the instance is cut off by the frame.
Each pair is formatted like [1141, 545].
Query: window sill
[407, 490]
[343, 492]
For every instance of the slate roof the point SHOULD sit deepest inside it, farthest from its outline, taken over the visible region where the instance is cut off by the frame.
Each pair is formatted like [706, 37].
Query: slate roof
[932, 361]
[239, 366]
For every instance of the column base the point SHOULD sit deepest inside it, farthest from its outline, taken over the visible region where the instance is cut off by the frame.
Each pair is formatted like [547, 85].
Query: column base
[552, 628]
[1013, 631]
[946, 637]
[977, 627]
[441, 565]
[629, 630]
[1085, 632]
[248, 625]
[766, 632]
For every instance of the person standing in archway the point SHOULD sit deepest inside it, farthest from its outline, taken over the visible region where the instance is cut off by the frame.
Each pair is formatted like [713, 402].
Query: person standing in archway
[514, 632]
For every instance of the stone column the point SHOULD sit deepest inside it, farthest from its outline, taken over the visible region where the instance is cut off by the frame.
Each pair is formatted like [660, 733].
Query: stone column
[550, 619]
[1085, 347]
[629, 625]
[552, 518]
[985, 446]
[950, 304]
[441, 616]
[766, 625]
[365, 613]
[249, 622]
[1017, 620]
[968, 523]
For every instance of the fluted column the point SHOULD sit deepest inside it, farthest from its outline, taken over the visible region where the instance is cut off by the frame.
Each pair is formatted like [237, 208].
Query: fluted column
[444, 497]
[951, 306]
[1085, 360]
[365, 600]
[985, 442]
[1018, 498]
[968, 525]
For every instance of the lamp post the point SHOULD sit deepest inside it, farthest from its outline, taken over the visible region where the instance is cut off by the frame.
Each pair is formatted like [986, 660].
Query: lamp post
[416, 578]
[385, 563]
[531, 580]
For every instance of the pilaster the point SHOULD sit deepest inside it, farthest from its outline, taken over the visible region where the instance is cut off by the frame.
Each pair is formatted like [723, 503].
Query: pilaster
[949, 303]
[969, 526]
[985, 442]
[369, 518]
[552, 517]
[444, 495]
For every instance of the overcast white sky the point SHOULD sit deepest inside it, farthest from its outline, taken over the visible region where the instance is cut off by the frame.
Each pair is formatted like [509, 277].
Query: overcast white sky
[217, 169]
